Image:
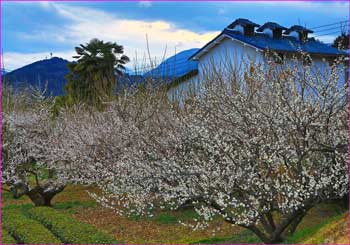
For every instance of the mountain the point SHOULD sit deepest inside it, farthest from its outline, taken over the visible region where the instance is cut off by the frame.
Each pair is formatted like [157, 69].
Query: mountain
[52, 72]
[38, 74]
[175, 66]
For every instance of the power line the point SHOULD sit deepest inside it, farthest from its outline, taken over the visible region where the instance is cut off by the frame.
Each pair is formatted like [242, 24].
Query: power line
[335, 32]
[337, 23]
[330, 29]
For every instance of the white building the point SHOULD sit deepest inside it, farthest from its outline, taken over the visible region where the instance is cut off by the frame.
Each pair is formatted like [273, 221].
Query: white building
[239, 44]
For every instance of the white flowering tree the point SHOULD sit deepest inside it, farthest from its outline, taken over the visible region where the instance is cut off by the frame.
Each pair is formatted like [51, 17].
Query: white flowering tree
[259, 151]
[29, 137]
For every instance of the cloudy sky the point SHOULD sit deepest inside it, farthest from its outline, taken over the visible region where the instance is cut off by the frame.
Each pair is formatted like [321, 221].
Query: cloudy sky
[32, 30]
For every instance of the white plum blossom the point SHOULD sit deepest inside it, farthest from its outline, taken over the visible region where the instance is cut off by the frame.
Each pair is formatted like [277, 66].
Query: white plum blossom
[259, 150]
[29, 139]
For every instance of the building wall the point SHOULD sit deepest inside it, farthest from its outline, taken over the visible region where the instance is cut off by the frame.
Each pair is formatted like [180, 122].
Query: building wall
[227, 58]
[232, 57]
[321, 67]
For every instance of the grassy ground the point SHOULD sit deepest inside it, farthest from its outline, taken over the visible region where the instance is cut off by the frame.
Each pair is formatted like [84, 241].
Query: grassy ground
[317, 226]
[332, 231]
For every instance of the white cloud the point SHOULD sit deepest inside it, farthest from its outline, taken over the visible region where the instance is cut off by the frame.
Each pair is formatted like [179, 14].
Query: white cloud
[43, 35]
[87, 23]
[326, 38]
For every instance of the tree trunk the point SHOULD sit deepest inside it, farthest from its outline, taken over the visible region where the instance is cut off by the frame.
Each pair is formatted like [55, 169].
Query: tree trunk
[269, 237]
[271, 233]
[275, 240]
[42, 196]
[343, 202]
[293, 226]
[40, 199]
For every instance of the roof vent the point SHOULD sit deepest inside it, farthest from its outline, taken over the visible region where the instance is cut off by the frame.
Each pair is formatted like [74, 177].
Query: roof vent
[245, 26]
[273, 29]
[300, 30]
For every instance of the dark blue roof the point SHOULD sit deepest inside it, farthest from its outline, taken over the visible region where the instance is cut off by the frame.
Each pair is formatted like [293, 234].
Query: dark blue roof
[298, 29]
[272, 26]
[242, 22]
[175, 66]
[284, 44]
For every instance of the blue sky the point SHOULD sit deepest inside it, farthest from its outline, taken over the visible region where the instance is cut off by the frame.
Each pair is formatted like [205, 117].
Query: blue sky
[31, 30]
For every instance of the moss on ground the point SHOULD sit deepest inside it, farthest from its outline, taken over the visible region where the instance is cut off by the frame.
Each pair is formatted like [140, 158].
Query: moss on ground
[333, 231]
[7, 238]
[164, 228]
[26, 230]
[68, 229]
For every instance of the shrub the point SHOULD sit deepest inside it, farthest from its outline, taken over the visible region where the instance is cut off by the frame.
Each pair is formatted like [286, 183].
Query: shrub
[25, 230]
[68, 229]
[7, 238]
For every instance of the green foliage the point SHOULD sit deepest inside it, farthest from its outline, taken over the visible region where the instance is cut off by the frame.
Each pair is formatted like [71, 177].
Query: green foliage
[68, 229]
[25, 230]
[92, 78]
[61, 102]
[7, 238]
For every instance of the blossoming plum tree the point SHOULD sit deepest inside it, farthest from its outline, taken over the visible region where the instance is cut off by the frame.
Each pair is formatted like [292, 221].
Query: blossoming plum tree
[259, 151]
[28, 168]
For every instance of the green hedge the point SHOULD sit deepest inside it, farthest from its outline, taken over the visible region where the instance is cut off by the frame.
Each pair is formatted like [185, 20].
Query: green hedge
[25, 230]
[68, 229]
[7, 238]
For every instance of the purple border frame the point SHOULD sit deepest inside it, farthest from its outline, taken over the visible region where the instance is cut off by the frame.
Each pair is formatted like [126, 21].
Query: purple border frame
[1, 55]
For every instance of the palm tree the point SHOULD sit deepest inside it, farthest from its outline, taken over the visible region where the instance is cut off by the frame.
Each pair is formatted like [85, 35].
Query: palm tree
[92, 77]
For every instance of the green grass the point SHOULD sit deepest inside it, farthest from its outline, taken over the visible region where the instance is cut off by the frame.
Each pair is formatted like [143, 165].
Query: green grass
[249, 237]
[73, 206]
[25, 230]
[20, 207]
[61, 224]
[169, 217]
[241, 237]
[68, 229]
[7, 196]
[166, 219]
[175, 216]
[306, 232]
[7, 238]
